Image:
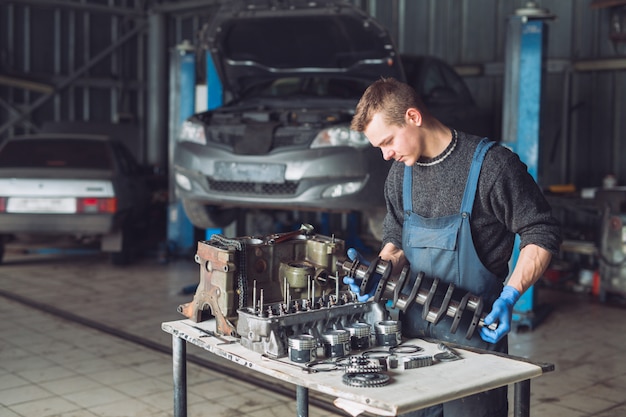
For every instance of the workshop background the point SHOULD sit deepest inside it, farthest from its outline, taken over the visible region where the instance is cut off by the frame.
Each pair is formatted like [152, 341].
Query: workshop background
[107, 62]
[91, 64]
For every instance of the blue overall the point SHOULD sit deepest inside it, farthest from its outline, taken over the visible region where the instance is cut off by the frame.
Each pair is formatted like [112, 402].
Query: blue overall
[442, 247]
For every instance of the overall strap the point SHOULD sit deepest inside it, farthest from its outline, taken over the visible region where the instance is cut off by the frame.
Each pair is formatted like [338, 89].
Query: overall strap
[472, 179]
[407, 190]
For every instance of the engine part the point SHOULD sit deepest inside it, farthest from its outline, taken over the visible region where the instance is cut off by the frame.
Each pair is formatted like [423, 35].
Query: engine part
[353, 360]
[413, 362]
[302, 348]
[268, 333]
[359, 369]
[366, 379]
[325, 365]
[391, 287]
[406, 349]
[336, 343]
[377, 354]
[446, 357]
[285, 265]
[388, 333]
[359, 335]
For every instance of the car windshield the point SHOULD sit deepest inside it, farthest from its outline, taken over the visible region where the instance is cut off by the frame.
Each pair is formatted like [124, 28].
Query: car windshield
[56, 153]
[307, 86]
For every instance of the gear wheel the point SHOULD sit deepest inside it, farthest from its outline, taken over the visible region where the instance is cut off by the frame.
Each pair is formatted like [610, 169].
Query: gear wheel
[354, 360]
[366, 379]
[362, 369]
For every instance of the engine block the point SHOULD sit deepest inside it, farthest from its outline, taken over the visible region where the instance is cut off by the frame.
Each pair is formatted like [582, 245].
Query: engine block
[283, 266]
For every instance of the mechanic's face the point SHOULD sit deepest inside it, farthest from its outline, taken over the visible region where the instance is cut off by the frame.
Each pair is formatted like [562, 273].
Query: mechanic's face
[400, 143]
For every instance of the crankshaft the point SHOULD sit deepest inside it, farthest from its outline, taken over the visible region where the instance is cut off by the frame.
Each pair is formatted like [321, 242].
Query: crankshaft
[391, 288]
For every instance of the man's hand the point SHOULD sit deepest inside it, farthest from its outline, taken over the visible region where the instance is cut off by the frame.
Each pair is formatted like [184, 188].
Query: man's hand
[353, 283]
[502, 312]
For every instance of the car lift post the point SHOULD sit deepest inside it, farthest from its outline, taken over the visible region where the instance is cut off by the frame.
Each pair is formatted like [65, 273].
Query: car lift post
[520, 124]
[180, 231]
[214, 99]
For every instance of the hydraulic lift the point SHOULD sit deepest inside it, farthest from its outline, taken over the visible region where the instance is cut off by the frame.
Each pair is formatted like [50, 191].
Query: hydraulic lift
[526, 34]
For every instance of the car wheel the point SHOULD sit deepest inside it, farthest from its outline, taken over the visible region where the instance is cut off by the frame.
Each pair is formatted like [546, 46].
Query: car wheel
[122, 255]
[1, 250]
[208, 217]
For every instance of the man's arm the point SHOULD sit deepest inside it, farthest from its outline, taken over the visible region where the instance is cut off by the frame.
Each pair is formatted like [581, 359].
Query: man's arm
[395, 255]
[531, 264]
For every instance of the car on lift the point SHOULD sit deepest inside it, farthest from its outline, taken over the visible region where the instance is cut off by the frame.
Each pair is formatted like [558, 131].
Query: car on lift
[89, 187]
[292, 75]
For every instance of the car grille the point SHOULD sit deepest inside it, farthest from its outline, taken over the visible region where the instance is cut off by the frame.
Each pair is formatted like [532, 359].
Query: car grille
[235, 187]
[283, 137]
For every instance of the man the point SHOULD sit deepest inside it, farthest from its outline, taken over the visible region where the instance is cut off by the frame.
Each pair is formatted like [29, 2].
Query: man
[454, 205]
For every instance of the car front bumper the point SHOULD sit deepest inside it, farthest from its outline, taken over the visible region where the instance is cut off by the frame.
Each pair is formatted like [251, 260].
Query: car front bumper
[308, 175]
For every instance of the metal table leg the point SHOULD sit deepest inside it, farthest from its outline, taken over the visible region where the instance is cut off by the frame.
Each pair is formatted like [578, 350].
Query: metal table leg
[179, 362]
[522, 399]
[302, 401]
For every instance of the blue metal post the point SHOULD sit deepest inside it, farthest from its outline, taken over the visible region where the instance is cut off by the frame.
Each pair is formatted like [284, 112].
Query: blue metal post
[180, 231]
[522, 104]
[214, 100]
[214, 85]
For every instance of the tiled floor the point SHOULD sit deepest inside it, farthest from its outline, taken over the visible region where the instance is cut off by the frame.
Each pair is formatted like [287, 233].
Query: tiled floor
[63, 351]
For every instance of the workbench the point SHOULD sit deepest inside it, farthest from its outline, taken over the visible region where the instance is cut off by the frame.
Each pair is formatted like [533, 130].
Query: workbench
[408, 390]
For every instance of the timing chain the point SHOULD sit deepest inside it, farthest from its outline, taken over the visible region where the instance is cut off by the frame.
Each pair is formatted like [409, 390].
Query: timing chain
[242, 282]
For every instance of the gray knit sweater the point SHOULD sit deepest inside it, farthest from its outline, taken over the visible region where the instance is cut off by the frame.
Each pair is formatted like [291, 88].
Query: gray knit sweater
[508, 201]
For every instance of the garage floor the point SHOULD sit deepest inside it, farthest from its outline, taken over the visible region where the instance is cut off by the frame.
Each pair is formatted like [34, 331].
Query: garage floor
[81, 338]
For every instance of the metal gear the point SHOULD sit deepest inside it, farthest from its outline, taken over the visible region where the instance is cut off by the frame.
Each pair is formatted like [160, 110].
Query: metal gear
[353, 360]
[366, 379]
[362, 369]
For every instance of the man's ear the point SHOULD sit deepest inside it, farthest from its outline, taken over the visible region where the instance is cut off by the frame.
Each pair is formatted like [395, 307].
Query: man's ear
[413, 117]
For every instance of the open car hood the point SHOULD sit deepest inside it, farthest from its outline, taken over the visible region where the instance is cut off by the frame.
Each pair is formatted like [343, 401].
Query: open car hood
[254, 40]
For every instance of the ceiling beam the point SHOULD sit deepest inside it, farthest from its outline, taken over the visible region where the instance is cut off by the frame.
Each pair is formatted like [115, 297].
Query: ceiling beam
[87, 7]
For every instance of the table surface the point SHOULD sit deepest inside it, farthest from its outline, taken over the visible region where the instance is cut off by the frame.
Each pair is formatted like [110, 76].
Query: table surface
[407, 390]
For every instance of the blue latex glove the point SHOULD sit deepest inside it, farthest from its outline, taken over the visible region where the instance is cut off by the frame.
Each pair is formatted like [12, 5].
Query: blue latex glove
[354, 284]
[502, 312]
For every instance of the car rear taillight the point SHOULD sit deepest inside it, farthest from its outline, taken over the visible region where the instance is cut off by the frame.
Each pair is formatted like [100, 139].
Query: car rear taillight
[3, 204]
[96, 205]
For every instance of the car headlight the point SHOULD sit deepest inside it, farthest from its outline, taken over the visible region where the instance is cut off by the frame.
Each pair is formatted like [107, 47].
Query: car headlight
[192, 132]
[340, 190]
[340, 136]
[182, 181]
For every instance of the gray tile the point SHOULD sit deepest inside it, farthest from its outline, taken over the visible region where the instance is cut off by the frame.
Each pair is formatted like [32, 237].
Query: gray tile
[72, 384]
[125, 407]
[23, 394]
[6, 412]
[46, 407]
[50, 373]
[139, 388]
[96, 396]
[116, 374]
[9, 380]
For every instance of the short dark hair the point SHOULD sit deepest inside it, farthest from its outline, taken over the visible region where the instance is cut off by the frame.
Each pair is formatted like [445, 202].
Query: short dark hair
[392, 97]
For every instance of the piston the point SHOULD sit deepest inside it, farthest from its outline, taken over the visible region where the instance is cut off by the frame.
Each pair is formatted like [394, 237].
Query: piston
[336, 343]
[302, 348]
[359, 335]
[388, 333]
